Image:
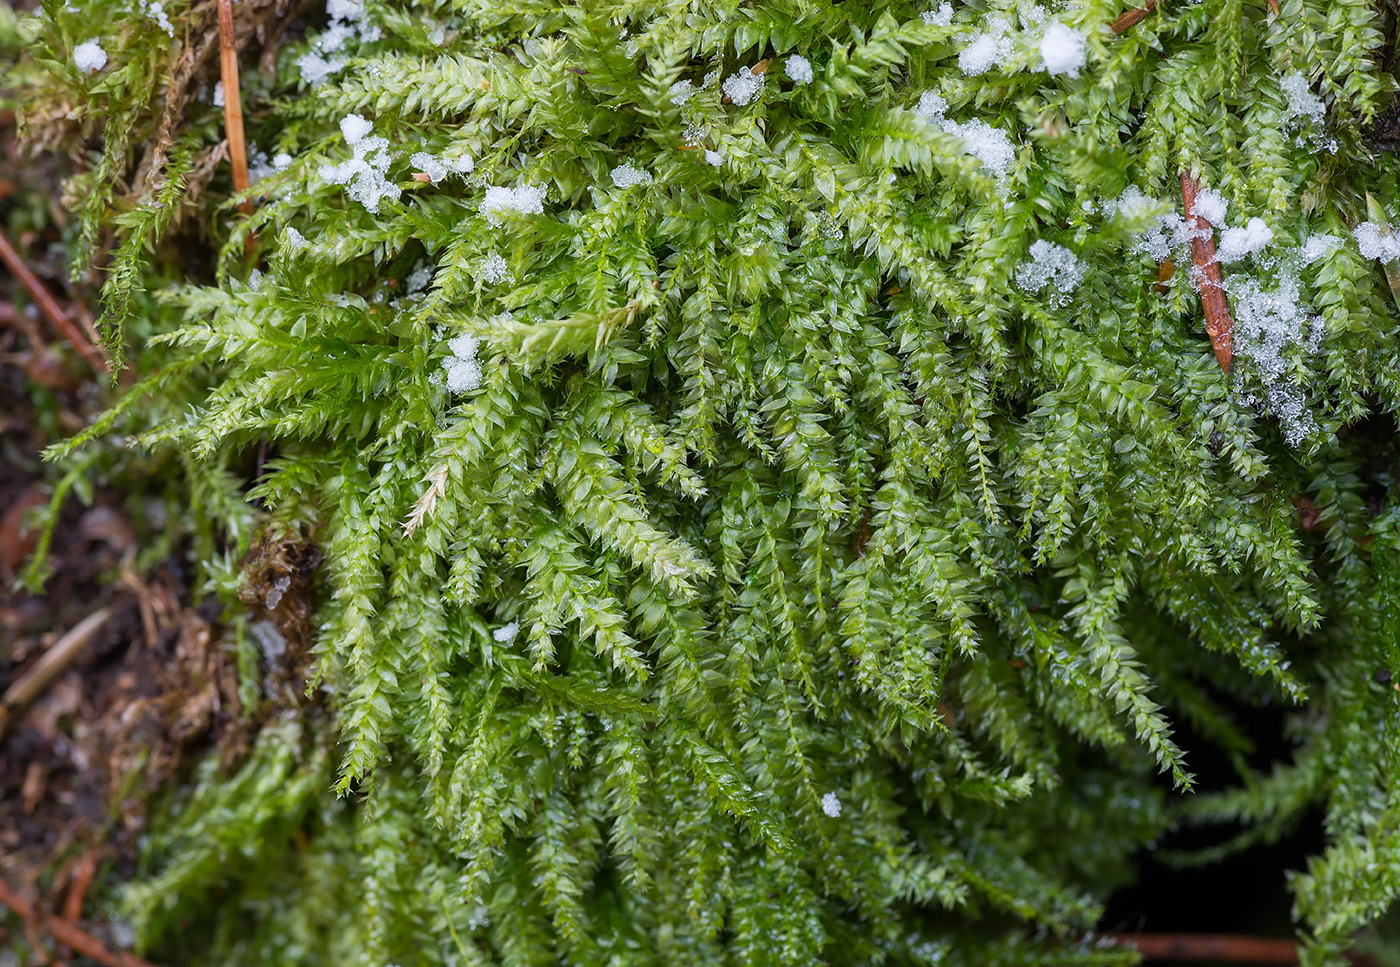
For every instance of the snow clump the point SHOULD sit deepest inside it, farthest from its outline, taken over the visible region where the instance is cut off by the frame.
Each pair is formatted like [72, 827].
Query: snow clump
[155, 9]
[218, 93]
[90, 57]
[347, 22]
[1319, 247]
[1377, 243]
[1268, 324]
[743, 86]
[1062, 49]
[681, 91]
[355, 128]
[364, 175]
[1236, 243]
[942, 17]
[987, 48]
[1302, 102]
[831, 805]
[799, 69]
[506, 632]
[714, 158]
[493, 270]
[625, 176]
[523, 200]
[294, 240]
[1211, 206]
[430, 166]
[987, 144]
[462, 369]
[1053, 265]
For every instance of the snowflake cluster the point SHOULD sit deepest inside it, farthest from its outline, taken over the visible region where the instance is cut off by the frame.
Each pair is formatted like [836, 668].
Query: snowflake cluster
[365, 175]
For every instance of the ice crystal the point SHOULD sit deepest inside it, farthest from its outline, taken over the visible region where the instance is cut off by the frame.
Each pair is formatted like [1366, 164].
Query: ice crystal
[493, 270]
[681, 91]
[1319, 247]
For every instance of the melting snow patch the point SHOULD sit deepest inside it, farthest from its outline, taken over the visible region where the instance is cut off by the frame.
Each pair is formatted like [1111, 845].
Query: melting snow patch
[90, 57]
[1062, 49]
[799, 69]
[1053, 265]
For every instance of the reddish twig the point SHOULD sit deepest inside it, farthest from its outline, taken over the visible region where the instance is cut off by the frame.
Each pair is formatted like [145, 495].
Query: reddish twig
[49, 306]
[1210, 947]
[233, 103]
[68, 934]
[1132, 17]
[1205, 276]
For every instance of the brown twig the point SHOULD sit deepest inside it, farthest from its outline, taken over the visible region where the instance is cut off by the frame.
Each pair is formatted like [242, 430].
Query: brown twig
[1132, 17]
[68, 934]
[1205, 276]
[50, 665]
[1210, 947]
[49, 306]
[233, 103]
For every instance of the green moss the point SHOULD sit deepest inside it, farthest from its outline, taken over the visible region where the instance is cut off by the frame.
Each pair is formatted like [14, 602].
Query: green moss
[787, 485]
